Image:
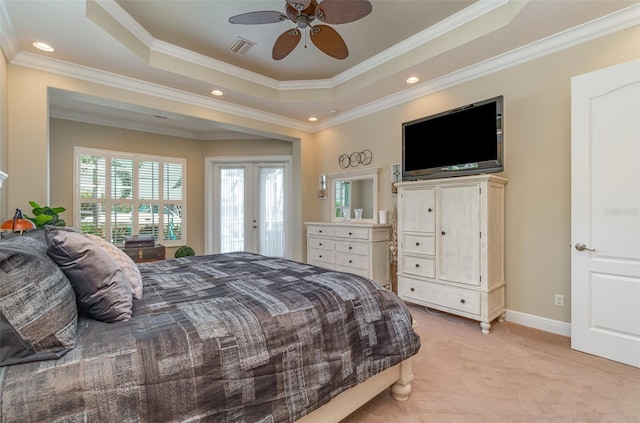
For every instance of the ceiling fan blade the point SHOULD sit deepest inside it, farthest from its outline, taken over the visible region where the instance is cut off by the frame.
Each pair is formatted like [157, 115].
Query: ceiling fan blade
[329, 41]
[299, 4]
[341, 11]
[285, 43]
[256, 18]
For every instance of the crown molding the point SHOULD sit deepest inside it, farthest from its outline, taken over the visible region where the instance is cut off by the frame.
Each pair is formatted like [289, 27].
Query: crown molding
[449, 24]
[35, 61]
[615, 22]
[618, 21]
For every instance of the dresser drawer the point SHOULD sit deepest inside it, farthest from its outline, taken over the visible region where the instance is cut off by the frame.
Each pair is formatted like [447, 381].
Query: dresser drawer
[352, 247]
[421, 266]
[440, 295]
[352, 260]
[419, 244]
[356, 271]
[320, 230]
[321, 243]
[317, 254]
[351, 232]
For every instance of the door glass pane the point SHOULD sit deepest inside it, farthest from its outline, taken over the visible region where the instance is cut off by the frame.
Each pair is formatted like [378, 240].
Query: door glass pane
[231, 209]
[271, 211]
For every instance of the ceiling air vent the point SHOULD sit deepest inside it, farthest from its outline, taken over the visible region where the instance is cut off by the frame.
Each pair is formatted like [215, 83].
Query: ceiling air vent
[241, 46]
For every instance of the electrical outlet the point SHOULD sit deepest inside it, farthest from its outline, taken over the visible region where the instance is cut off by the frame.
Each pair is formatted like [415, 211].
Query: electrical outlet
[559, 300]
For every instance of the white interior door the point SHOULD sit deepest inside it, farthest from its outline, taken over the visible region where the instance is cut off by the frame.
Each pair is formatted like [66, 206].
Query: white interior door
[249, 207]
[605, 213]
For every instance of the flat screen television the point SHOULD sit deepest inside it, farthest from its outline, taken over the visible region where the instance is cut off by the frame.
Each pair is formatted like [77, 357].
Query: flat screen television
[467, 140]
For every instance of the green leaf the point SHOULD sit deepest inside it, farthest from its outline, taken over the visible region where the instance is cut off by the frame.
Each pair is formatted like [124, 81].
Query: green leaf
[42, 219]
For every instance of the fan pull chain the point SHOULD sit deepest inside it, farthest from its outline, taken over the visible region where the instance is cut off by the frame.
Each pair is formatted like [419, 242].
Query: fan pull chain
[305, 38]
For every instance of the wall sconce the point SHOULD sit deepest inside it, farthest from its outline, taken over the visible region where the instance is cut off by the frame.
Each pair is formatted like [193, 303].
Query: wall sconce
[18, 223]
[322, 187]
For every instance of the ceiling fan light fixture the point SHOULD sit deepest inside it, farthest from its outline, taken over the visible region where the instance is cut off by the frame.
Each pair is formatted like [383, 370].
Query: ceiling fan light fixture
[43, 46]
[412, 80]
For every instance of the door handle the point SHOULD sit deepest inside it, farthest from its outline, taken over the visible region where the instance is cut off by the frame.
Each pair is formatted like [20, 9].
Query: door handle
[581, 247]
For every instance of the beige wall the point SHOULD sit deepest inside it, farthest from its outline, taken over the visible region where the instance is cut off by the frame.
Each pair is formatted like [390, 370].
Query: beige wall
[537, 160]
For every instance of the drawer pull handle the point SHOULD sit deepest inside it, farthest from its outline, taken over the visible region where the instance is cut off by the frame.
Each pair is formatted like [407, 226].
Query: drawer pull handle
[350, 247]
[429, 210]
[462, 300]
[443, 233]
[412, 289]
[350, 261]
[417, 265]
[320, 243]
[417, 244]
[350, 233]
[320, 231]
[320, 256]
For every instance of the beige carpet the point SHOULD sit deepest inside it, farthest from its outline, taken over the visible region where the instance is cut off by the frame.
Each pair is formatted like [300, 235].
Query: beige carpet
[514, 374]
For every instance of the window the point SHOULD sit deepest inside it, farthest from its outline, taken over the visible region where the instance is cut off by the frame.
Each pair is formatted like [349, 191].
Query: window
[119, 194]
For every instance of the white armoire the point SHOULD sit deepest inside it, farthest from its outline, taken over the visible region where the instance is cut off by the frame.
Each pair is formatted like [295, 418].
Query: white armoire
[451, 245]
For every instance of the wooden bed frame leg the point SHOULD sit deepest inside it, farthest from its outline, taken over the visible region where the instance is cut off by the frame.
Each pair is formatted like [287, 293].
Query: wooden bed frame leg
[402, 388]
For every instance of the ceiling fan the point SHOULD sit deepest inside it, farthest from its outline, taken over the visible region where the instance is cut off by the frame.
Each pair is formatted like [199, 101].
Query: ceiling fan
[302, 13]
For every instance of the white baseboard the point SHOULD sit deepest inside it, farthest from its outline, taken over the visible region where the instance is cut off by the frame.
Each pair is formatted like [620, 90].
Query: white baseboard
[537, 322]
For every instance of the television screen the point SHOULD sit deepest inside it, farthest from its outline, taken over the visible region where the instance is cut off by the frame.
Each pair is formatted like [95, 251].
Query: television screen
[462, 141]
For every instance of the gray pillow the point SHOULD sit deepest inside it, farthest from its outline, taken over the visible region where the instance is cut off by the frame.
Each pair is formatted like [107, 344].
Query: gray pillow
[131, 271]
[38, 314]
[102, 291]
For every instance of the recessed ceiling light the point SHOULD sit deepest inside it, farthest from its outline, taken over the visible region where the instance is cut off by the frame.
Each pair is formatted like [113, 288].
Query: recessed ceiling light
[216, 92]
[43, 46]
[313, 119]
[412, 80]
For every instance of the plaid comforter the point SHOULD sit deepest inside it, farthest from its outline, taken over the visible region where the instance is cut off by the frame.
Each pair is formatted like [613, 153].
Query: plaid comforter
[232, 337]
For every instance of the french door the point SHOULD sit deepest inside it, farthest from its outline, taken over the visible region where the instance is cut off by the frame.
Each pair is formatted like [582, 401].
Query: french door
[250, 207]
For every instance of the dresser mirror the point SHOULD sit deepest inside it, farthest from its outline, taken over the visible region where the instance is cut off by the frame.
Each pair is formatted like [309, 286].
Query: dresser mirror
[354, 194]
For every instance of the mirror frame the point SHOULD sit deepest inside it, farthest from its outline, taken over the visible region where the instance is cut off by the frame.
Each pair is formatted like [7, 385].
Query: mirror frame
[355, 175]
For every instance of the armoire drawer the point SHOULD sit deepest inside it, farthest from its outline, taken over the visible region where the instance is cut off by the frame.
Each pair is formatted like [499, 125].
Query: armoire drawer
[421, 266]
[419, 244]
[442, 295]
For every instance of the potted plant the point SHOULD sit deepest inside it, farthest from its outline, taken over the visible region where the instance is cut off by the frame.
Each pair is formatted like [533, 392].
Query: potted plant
[184, 251]
[43, 216]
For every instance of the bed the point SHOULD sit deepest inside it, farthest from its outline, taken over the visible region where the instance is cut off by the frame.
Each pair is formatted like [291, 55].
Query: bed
[234, 337]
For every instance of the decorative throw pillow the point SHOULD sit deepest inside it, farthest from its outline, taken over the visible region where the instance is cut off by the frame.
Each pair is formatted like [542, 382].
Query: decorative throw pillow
[38, 314]
[131, 271]
[102, 291]
[34, 237]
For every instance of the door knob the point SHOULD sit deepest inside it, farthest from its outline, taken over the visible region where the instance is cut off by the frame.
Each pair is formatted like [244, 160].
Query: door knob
[581, 247]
